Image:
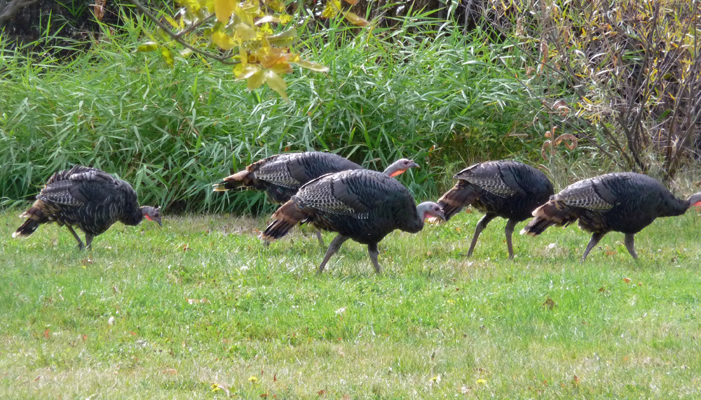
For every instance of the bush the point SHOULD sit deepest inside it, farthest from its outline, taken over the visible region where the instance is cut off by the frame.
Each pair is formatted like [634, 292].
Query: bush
[436, 95]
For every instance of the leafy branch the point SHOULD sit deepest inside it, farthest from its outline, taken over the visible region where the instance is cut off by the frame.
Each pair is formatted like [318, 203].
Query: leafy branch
[252, 35]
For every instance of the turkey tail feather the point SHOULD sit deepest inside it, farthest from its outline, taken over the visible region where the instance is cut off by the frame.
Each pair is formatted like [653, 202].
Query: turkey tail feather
[35, 216]
[456, 198]
[232, 182]
[547, 215]
[287, 216]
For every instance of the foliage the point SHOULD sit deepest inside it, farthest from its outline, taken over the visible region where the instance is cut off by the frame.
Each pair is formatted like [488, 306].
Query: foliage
[243, 32]
[434, 95]
[623, 75]
[164, 313]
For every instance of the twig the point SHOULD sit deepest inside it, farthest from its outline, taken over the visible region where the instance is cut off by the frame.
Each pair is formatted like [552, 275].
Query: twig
[177, 37]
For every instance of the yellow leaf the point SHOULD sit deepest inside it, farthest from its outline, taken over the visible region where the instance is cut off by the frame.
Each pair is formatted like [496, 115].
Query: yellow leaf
[168, 56]
[148, 46]
[247, 72]
[185, 52]
[276, 5]
[224, 9]
[223, 40]
[243, 55]
[481, 381]
[209, 4]
[332, 8]
[267, 19]
[256, 80]
[172, 22]
[276, 83]
[285, 18]
[283, 39]
[312, 66]
[282, 68]
[238, 70]
[351, 2]
[245, 32]
[355, 19]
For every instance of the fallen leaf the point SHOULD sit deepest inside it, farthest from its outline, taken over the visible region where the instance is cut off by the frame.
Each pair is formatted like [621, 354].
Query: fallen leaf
[481, 381]
[575, 380]
[321, 392]
[170, 371]
[46, 333]
[550, 303]
[626, 280]
[111, 321]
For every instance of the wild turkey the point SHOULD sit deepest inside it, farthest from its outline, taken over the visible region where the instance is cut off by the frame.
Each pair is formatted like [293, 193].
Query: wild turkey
[361, 205]
[280, 176]
[506, 189]
[621, 202]
[88, 198]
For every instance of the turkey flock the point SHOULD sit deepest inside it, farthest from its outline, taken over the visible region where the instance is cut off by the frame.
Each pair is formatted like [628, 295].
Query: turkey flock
[336, 195]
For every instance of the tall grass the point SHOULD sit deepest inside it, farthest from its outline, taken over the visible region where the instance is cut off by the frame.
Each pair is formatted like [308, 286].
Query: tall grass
[422, 90]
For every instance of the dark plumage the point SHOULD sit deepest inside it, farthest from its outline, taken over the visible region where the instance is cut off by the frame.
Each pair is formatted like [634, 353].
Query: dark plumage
[622, 202]
[361, 205]
[506, 189]
[88, 198]
[280, 176]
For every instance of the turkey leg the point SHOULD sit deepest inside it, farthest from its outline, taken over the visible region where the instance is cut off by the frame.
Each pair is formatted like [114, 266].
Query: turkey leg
[88, 240]
[373, 252]
[478, 229]
[81, 246]
[509, 231]
[594, 240]
[630, 244]
[321, 240]
[333, 248]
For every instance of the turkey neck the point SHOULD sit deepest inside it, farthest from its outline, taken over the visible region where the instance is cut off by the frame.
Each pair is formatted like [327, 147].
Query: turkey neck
[418, 223]
[674, 206]
[133, 218]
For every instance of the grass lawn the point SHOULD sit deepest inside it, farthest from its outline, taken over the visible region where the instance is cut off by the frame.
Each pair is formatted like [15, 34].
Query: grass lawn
[165, 313]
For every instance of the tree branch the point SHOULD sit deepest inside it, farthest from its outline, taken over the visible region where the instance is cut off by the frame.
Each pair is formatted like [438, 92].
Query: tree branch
[178, 36]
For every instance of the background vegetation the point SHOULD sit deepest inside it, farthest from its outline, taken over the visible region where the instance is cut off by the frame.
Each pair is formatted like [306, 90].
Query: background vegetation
[448, 85]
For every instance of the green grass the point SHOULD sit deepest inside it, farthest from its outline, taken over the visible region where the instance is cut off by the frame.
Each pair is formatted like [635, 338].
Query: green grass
[478, 324]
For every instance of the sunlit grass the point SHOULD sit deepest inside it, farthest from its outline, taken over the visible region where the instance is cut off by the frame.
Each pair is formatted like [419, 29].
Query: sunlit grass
[201, 301]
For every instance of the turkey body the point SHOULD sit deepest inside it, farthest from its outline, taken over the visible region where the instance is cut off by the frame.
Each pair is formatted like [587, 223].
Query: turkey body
[361, 205]
[280, 176]
[506, 189]
[87, 198]
[621, 202]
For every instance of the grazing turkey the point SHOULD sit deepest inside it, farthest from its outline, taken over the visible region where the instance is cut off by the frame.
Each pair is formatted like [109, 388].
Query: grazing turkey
[361, 205]
[622, 202]
[506, 189]
[280, 176]
[88, 198]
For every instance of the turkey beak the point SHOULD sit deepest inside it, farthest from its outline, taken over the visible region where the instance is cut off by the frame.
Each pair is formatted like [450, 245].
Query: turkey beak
[158, 221]
[414, 165]
[441, 215]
